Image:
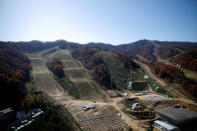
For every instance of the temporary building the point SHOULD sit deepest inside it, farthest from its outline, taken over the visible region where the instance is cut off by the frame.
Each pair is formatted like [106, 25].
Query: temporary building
[180, 117]
[163, 126]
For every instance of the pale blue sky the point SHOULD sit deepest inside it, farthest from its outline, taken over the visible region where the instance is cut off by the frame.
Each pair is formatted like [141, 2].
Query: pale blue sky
[108, 21]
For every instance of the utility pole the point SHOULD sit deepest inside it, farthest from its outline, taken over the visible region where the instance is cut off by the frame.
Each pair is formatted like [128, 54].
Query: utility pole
[130, 72]
[167, 87]
[111, 70]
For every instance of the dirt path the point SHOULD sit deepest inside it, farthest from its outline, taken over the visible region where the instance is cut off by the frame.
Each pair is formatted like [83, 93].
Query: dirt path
[188, 73]
[143, 59]
[82, 102]
[128, 119]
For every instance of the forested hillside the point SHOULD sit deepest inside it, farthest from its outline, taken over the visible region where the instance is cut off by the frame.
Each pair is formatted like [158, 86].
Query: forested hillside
[37, 46]
[171, 73]
[169, 49]
[56, 67]
[92, 60]
[143, 48]
[175, 75]
[187, 59]
[14, 73]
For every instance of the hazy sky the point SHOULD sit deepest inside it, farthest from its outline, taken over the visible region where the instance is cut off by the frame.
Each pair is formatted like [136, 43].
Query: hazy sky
[108, 21]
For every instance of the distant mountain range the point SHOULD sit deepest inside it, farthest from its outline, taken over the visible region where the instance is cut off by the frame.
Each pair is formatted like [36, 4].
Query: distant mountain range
[14, 63]
[144, 48]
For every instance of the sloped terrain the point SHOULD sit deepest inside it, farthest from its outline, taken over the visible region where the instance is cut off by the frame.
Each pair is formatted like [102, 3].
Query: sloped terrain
[74, 71]
[120, 74]
[95, 72]
[88, 89]
[44, 78]
[187, 60]
[14, 73]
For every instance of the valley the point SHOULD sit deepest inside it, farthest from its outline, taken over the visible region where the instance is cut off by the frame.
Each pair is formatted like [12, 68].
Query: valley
[89, 85]
[98, 65]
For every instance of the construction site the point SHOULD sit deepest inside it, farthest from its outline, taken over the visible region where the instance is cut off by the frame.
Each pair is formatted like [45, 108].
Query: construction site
[98, 109]
[102, 122]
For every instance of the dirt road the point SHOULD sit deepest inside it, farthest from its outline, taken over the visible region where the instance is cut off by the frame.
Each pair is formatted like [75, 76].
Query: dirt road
[114, 103]
[152, 75]
[128, 119]
[179, 96]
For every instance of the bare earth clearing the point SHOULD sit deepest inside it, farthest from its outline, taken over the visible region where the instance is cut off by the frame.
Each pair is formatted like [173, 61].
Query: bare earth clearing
[88, 89]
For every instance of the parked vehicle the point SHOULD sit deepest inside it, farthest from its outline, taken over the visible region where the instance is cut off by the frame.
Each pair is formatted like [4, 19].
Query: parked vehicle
[136, 106]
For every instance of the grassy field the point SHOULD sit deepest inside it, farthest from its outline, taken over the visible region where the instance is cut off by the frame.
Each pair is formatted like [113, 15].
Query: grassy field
[190, 74]
[118, 72]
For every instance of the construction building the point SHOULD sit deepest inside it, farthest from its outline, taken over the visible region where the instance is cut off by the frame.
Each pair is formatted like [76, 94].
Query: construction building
[180, 117]
[163, 126]
[7, 116]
